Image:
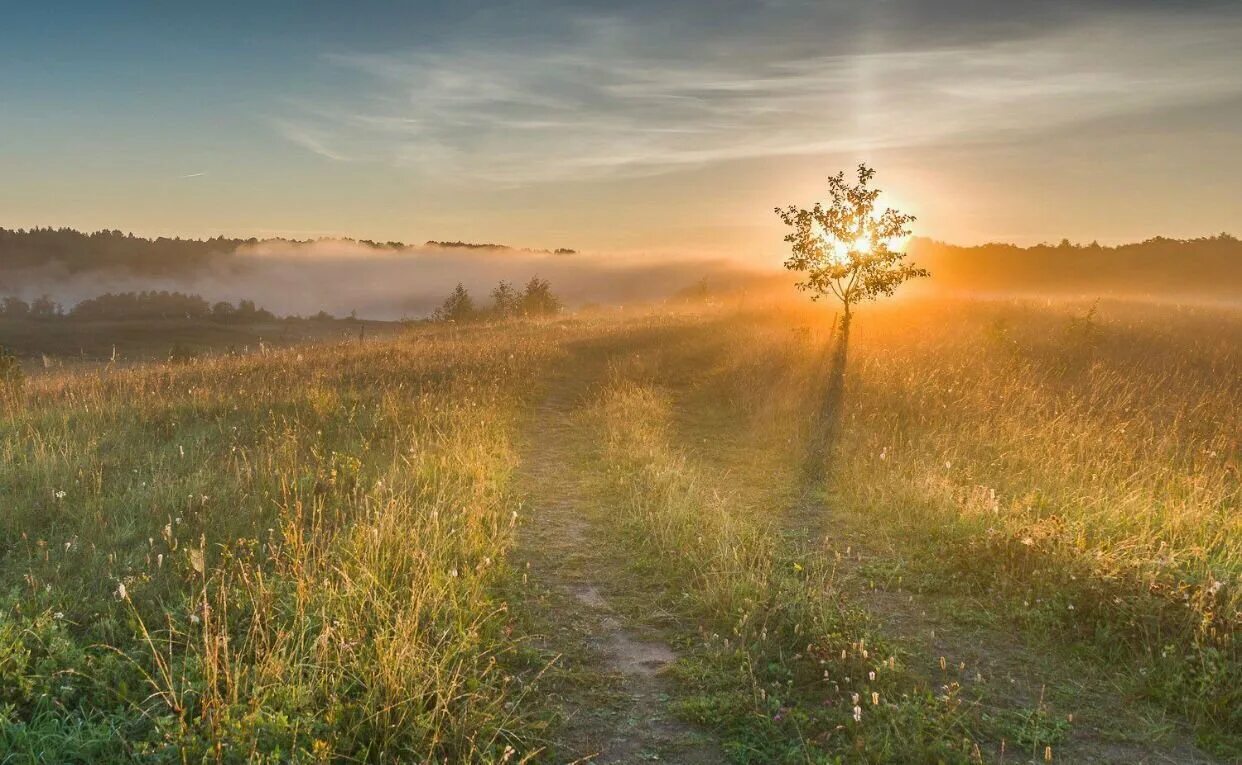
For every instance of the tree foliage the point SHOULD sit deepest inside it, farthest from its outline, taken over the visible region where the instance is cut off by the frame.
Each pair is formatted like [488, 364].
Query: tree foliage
[145, 305]
[538, 299]
[506, 301]
[457, 307]
[844, 248]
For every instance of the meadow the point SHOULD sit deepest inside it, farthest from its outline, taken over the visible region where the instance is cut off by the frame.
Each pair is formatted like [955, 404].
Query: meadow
[1016, 538]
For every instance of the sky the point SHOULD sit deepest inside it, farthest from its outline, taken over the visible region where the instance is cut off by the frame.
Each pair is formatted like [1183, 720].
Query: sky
[620, 127]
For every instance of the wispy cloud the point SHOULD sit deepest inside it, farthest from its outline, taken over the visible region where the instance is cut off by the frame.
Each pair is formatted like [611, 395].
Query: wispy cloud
[308, 138]
[601, 102]
[192, 175]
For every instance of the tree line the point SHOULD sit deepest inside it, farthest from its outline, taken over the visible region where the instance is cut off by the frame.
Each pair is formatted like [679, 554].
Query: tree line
[536, 299]
[1206, 265]
[138, 305]
[76, 251]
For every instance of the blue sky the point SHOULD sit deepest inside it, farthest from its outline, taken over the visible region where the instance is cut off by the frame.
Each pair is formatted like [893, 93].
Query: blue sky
[643, 126]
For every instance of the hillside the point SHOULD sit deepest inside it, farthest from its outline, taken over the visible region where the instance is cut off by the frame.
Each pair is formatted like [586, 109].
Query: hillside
[536, 540]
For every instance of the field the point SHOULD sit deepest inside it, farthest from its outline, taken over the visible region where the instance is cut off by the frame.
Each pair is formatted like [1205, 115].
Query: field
[60, 342]
[966, 531]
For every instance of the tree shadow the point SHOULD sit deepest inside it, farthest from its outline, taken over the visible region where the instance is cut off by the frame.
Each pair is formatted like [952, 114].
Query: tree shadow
[827, 411]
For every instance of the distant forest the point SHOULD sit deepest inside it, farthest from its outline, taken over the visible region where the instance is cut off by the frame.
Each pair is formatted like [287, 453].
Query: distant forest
[141, 305]
[1210, 265]
[74, 251]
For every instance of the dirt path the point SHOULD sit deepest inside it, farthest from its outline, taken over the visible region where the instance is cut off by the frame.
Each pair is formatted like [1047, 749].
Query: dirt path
[615, 709]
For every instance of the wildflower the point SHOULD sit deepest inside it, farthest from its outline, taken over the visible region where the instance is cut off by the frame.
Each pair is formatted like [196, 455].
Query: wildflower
[121, 592]
[871, 675]
[854, 698]
[875, 699]
[58, 615]
[59, 493]
[857, 713]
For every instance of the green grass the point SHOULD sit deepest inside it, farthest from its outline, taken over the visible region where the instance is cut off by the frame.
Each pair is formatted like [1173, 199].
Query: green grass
[782, 667]
[306, 554]
[288, 557]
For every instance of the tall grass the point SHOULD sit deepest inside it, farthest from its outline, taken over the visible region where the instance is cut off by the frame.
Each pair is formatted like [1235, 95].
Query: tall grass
[287, 557]
[1084, 461]
[781, 665]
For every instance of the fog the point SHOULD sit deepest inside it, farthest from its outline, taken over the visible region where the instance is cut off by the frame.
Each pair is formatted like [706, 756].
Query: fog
[341, 277]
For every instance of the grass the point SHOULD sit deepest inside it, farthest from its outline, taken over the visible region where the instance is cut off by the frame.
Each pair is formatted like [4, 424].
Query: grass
[781, 666]
[307, 554]
[70, 341]
[1082, 464]
[275, 558]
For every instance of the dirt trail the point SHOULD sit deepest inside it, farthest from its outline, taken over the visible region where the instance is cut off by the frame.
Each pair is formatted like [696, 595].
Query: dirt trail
[617, 712]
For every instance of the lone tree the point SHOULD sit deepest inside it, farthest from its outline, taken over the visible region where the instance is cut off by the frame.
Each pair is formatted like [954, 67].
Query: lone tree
[843, 249]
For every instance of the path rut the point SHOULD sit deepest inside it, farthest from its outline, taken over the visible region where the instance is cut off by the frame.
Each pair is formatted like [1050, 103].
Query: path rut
[618, 711]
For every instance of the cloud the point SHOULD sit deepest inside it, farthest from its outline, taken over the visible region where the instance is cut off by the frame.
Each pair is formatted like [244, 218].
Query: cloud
[613, 97]
[308, 138]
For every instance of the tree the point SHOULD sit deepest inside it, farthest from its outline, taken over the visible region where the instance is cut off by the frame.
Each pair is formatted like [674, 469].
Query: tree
[15, 308]
[43, 307]
[506, 301]
[538, 299]
[844, 249]
[456, 307]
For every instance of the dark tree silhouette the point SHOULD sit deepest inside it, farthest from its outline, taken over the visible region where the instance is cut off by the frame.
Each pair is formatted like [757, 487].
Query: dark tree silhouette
[457, 307]
[538, 299]
[844, 249]
[506, 301]
[15, 308]
[43, 307]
